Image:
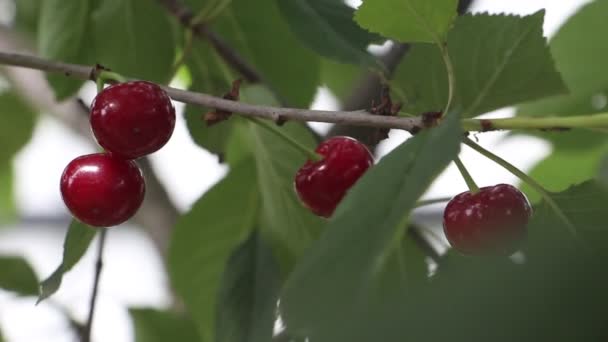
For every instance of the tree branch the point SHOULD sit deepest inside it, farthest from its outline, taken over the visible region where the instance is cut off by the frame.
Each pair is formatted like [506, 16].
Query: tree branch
[201, 30]
[369, 86]
[366, 91]
[277, 114]
[86, 334]
[353, 118]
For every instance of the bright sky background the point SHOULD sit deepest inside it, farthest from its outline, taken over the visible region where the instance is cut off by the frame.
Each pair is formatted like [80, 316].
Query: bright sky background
[187, 171]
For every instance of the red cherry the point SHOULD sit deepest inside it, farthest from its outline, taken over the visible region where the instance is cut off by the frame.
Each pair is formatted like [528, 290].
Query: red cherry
[322, 184]
[132, 119]
[102, 190]
[491, 221]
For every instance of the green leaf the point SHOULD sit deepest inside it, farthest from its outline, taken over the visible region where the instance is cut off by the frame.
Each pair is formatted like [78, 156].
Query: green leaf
[413, 261]
[564, 168]
[13, 137]
[204, 239]
[209, 75]
[152, 325]
[18, 276]
[336, 275]
[22, 119]
[26, 15]
[408, 20]
[249, 293]
[283, 218]
[206, 7]
[557, 294]
[340, 78]
[206, 10]
[135, 38]
[553, 297]
[490, 73]
[8, 210]
[584, 206]
[77, 241]
[582, 61]
[291, 70]
[602, 175]
[63, 35]
[580, 55]
[327, 27]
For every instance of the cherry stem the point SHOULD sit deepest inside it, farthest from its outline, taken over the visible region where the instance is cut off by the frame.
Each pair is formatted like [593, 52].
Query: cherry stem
[310, 154]
[466, 175]
[86, 334]
[432, 201]
[100, 84]
[449, 67]
[545, 194]
[208, 12]
[593, 121]
[106, 76]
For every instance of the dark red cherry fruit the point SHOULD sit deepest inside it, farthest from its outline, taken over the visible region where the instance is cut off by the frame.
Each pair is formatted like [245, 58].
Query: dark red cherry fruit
[322, 184]
[102, 190]
[491, 221]
[132, 119]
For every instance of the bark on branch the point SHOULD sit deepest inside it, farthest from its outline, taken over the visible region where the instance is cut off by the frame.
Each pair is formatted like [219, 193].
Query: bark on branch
[184, 15]
[277, 114]
[368, 89]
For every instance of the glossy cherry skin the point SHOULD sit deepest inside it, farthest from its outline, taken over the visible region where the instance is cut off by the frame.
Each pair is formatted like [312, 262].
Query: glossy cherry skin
[322, 184]
[102, 190]
[492, 221]
[132, 119]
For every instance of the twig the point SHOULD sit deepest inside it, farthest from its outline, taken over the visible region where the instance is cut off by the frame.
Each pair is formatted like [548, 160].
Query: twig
[468, 179]
[433, 201]
[201, 30]
[355, 118]
[86, 335]
[547, 123]
[369, 87]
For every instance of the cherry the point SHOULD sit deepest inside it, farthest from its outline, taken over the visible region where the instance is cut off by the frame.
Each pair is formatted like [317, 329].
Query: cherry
[132, 119]
[490, 221]
[322, 184]
[102, 190]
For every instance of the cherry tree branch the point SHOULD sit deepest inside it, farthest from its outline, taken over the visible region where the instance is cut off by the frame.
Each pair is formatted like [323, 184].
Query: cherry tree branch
[368, 88]
[185, 16]
[86, 334]
[353, 118]
[277, 114]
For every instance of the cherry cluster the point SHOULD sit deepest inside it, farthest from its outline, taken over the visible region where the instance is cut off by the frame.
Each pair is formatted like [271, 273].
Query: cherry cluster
[492, 220]
[129, 120]
[133, 119]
